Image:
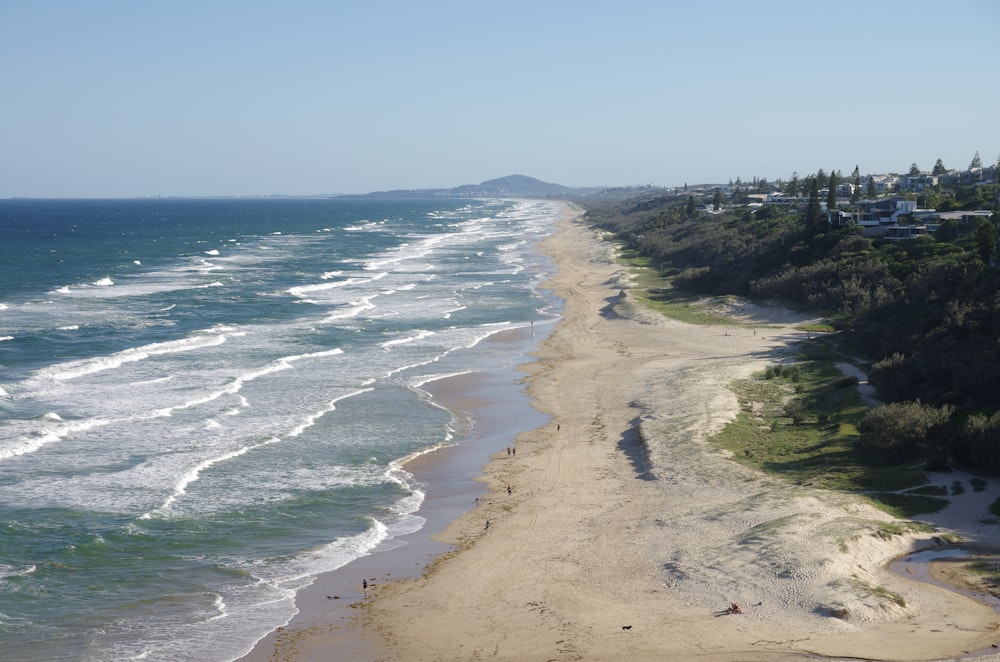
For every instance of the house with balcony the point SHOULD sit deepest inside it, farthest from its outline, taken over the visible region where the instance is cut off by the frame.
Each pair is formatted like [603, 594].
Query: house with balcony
[884, 183]
[876, 216]
[904, 232]
[913, 183]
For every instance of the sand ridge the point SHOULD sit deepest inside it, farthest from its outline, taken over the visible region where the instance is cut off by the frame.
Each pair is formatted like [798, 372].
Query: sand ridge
[620, 514]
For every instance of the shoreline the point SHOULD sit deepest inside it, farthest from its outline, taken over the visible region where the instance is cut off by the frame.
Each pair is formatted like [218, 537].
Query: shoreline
[627, 535]
[453, 478]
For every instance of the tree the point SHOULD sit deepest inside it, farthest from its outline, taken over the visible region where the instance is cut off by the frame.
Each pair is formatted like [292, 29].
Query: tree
[947, 231]
[717, 201]
[831, 196]
[812, 207]
[939, 168]
[895, 431]
[690, 206]
[821, 178]
[856, 184]
[914, 170]
[996, 188]
[871, 187]
[976, 162]
[793, 185]
[977, 441]
[986, 240]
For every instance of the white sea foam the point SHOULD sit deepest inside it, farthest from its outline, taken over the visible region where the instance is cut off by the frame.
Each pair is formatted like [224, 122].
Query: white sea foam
[41, 437]
[76, 369]
[8, 571]
[418, 335]
[423, 380]
[238, 419]
[203, 266]
[158, 380]
[232, 388]
[315, 355]
[301, 290]
[192, 474]
[3, 338]
[353, 309]
[212, 252]
[331, 406]
[370, 226]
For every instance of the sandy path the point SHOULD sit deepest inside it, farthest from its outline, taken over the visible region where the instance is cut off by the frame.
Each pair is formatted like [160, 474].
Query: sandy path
[601, 531]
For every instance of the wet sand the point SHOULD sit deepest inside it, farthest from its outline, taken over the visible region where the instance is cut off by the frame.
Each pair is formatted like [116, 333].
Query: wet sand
[626, 535]
[491, 407]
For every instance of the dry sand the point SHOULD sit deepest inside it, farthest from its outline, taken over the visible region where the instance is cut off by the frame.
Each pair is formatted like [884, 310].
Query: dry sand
[621, 514]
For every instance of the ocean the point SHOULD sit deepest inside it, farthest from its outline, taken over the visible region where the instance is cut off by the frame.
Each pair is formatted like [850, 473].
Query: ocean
[206, 403]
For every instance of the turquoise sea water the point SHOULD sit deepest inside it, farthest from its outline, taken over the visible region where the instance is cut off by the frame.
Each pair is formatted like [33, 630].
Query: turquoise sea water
[204, 403]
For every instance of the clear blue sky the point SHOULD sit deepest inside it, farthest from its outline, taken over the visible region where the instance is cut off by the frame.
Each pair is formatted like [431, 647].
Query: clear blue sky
[117, 98]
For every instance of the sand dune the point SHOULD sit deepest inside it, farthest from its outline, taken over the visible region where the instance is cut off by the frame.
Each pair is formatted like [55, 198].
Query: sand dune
[602, 531]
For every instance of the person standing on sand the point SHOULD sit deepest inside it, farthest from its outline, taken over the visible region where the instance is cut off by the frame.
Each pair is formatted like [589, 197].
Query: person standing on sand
[487, 525]
[364, 586]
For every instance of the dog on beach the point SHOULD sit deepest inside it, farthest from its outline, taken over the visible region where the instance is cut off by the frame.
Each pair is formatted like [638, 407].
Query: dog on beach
[626, 627]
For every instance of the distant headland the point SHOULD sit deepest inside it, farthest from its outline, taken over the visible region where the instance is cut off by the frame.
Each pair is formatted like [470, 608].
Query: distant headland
[511, 186]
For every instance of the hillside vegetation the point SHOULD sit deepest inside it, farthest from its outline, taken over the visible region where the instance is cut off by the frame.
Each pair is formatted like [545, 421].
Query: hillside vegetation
[924, 313]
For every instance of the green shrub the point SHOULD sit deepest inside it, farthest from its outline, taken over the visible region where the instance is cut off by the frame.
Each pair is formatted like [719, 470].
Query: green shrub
[895, 431]
[846, 381]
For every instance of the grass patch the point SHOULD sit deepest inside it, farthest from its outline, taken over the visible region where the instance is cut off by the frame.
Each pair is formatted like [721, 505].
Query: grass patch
[817, 328]
[930, 490]
[796, 422]
[882, 593]
[653, 289]
[799, 421]
[988, 573]
[675, 304]
[978, 484]
[907, 505]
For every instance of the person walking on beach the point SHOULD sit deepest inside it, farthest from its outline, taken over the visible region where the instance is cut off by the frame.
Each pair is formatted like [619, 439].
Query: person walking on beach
[487, 525]
[364, 586]
[509, 490]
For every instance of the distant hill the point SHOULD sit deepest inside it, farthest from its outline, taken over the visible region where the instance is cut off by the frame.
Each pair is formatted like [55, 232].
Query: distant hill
[512, 186]
[521, 185]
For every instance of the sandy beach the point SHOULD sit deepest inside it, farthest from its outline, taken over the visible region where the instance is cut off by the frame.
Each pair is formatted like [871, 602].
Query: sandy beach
[625, 535]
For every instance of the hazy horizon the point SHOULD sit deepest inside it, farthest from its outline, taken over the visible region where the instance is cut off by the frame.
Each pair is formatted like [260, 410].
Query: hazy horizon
[117, 99]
